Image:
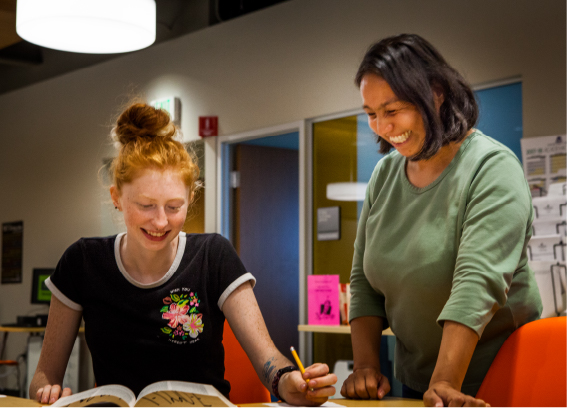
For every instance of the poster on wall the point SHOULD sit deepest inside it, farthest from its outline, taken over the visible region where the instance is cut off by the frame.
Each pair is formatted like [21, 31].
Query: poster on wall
[12, 251]
[544, 162]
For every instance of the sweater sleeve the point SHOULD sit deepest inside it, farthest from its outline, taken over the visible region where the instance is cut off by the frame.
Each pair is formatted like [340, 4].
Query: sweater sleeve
[365, 301]
[496, 227]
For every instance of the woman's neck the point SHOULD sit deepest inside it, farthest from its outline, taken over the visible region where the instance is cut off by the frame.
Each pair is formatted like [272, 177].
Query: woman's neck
[422, 173]
[146, 266]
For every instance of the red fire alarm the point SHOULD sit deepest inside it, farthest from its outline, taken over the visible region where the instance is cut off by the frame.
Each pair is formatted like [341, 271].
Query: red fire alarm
[208, 126]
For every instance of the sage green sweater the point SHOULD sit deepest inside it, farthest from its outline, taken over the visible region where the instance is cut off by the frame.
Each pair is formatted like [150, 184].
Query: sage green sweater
[454, 250]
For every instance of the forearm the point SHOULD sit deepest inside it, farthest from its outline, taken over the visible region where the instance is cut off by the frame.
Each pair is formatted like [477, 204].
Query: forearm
[273, 361]
[366, 335]
[60, 333]
[245, 319]
[457, 347]
[366, 380]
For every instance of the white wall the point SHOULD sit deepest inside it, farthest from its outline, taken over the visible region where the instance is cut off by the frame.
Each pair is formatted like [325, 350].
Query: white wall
[293, 61]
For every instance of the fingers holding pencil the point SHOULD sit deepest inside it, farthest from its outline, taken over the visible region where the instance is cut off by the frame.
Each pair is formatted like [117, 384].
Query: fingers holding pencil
[318, 376]
[319, 389]
[314, 385]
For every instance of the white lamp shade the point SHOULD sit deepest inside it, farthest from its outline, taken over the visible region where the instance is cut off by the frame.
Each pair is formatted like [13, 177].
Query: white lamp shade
[88, 26]
[346, 191]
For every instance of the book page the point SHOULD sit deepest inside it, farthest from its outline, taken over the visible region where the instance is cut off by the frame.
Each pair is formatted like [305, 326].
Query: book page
[181, 394]
[106, 395]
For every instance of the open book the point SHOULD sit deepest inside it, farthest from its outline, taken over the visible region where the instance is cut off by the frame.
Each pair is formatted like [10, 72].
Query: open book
[159, 394]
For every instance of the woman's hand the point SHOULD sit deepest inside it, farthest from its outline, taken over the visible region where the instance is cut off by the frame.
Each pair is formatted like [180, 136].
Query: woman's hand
[294, 390]
[48, 394]
[441, 394]
[365, 383]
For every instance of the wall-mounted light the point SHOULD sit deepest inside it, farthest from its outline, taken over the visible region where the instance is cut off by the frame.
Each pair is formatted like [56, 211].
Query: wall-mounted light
[353, 191]
[88, 26]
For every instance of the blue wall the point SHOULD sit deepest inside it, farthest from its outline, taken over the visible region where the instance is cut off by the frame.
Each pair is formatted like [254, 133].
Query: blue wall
[501, 115]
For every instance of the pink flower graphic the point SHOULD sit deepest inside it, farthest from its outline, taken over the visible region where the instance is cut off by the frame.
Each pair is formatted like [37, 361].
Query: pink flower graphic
[176, 315]
[195, 325]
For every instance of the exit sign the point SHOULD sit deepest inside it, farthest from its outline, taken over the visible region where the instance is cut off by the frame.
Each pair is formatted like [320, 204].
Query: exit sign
[172, 106]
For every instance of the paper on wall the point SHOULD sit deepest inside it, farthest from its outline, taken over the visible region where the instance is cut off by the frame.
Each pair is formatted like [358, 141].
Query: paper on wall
[544, 160]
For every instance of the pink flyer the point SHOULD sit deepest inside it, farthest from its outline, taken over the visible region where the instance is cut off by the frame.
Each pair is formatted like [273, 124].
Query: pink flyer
[323, 300]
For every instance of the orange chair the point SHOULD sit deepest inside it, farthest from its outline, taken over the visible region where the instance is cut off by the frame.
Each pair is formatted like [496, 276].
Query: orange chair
[246, 387]
[529, 369]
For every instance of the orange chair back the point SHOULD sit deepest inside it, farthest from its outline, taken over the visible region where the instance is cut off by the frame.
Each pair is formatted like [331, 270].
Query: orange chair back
[530, 367]
[246, 387]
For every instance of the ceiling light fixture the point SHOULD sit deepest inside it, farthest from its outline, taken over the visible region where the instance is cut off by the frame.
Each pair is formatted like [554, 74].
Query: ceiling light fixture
[88, 26]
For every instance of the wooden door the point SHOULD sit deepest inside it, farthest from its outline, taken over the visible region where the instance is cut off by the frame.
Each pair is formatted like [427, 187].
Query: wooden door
[266, 235]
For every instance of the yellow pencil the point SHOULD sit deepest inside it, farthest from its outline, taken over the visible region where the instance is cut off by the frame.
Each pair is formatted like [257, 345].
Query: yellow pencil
[298, 361]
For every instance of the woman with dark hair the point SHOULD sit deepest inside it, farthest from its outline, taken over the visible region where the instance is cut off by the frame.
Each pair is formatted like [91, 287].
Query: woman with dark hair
[440, 253]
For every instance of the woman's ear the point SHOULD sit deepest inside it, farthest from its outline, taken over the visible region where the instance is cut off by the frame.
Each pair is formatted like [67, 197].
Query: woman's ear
[115, 195]
[438, 96]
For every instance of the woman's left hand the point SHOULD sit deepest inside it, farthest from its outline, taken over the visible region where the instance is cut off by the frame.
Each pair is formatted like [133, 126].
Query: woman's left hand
[442, 394]
[294, 390]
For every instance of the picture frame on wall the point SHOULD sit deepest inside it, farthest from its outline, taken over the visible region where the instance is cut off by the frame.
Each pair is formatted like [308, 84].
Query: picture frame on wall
[12, 251]
[40, 293]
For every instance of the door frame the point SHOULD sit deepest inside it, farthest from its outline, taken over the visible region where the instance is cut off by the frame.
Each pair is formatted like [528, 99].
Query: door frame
[305, 339]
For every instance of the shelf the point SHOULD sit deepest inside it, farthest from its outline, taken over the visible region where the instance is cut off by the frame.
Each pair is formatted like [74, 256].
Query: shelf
[342, 329]
[15, 329]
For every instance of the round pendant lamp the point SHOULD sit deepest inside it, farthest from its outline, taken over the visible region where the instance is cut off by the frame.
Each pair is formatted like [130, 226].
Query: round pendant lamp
[88, 26]
[353, 191]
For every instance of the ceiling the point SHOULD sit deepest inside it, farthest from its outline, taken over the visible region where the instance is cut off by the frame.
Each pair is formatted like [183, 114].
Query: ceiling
[23, 63]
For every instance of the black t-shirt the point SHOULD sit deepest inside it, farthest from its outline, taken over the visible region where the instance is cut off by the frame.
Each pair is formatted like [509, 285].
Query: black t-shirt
[171, 329]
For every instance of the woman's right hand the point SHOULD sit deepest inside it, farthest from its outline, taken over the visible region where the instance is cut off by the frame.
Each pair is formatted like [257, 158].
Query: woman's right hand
[365, 383]
[48, 394]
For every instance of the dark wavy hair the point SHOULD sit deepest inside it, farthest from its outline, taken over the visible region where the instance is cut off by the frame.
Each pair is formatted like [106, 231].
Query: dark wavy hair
[413, 68]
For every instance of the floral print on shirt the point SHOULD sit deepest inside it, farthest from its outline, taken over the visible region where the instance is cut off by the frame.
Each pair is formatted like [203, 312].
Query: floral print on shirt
[183, 318]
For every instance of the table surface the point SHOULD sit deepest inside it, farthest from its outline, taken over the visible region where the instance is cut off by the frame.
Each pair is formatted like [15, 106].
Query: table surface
[16, 329]
[18, 402]
[385, 402]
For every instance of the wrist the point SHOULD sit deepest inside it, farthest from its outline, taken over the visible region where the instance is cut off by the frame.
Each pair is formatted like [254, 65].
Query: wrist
[444, 382]
[366, 366]
[277, 381]
[283, 388]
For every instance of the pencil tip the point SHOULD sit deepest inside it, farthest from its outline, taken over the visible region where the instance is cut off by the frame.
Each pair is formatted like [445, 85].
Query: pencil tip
[291, 348]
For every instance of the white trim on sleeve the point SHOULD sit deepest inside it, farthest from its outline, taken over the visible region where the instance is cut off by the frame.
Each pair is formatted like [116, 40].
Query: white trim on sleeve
[244, 278]
[59, 295]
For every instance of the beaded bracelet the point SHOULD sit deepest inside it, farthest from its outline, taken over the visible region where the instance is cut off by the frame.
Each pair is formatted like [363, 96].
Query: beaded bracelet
[277, 377]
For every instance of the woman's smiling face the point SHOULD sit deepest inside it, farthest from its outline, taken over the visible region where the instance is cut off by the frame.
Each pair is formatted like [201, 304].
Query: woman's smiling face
[396, 121]
[155, 207]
